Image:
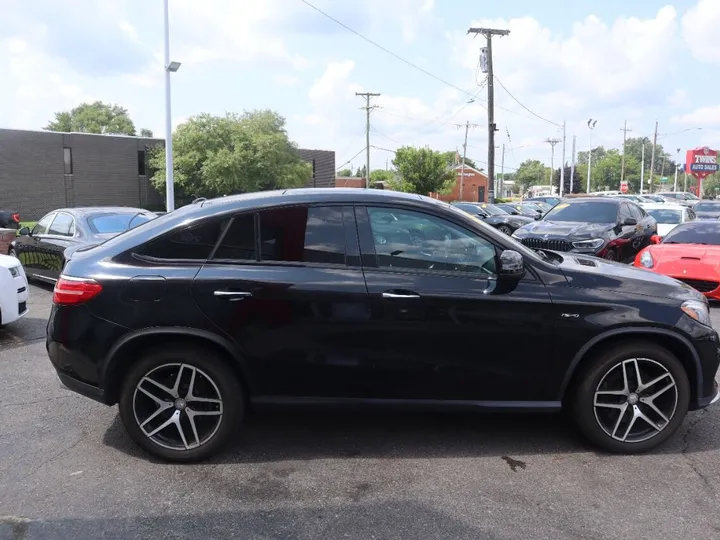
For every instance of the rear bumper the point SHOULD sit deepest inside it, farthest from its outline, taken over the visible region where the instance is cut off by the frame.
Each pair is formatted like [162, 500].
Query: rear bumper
[84, 389]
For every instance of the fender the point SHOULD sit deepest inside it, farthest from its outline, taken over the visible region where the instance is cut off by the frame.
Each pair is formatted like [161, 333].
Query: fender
[634, 330]
[113, 358]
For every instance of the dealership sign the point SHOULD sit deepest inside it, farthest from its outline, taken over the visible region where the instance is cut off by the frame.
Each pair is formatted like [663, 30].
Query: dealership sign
[701, 162]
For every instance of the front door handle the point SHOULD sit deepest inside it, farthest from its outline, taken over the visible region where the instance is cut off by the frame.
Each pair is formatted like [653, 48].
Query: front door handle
[395, 296]
[232, 295]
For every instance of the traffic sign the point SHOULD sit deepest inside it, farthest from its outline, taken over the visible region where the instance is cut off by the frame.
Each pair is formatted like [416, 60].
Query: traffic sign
[623, 187]
[664, 180]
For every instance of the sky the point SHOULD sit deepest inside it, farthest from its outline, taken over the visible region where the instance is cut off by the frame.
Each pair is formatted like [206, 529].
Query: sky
[638, 61]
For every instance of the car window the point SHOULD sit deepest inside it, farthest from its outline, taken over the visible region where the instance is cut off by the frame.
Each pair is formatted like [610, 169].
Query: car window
[42, 226]
[635, 211]
[625, 212]
[303, 234]
[707, 206]
[189, 243]
[114, 223]
[412, 240]
[666, 216]
[238, 244]
[690, 214]
[695, 232]
[62, 225]
[584, 212]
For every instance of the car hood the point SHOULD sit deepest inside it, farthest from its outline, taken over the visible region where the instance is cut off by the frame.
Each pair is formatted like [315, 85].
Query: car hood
[686, 260]
[507, 218]
[571, 230]
[595, 273]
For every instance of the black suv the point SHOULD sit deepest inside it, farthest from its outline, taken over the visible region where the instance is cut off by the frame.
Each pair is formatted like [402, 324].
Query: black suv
[605, 227]
[347, 297]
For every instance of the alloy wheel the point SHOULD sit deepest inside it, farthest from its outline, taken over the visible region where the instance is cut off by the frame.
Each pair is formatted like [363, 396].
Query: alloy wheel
[635, 400]
[177, 406]
[505, 230]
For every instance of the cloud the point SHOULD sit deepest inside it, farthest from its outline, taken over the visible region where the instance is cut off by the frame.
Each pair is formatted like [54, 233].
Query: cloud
[286, 80]
[700, 30]
[679, 98]
[703, 116]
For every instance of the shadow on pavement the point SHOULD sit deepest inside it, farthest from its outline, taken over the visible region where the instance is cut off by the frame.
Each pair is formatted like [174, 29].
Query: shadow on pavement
[359, 520]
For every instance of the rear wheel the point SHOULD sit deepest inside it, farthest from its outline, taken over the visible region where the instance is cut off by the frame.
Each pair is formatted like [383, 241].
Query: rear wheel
[632, 398]
[505, 229]
[181, 404]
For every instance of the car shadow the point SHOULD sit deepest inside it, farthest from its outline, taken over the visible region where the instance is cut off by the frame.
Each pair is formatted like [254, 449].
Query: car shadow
[293, 435]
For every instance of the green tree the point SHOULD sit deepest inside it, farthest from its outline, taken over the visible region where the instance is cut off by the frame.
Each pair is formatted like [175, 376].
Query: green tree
[235, 153]
[145, 132]
[381, 175]
[530, 173]
[360, 173]
[96, 117]
[345, 172]
[422, 170]
[597, 154]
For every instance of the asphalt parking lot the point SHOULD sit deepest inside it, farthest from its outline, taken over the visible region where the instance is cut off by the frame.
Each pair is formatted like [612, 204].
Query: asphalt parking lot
[67, 470]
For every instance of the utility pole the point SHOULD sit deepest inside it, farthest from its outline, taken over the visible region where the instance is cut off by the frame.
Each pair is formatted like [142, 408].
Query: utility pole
[591, 126]
[552, 143]
[467, 125]
[642, 167]
[502, 172]
[572, 166]
[622, 167]
[489, 33]
[562, 165]
[368, 108]
[652, 159]
[677, 156]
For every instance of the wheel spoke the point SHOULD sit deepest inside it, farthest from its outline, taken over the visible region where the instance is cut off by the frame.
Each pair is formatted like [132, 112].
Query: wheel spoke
[626, 388]
[637, 371]
[654, 382]
[163, 407]
[152, 396]
[161, 386]
[659, 392]
[176, 386]
[172, 420]
[191, 418]
[657, 411]
[630, 426]
[620, 406]
[640, 414]
[620, 417]
[181, 432]
[203, 413]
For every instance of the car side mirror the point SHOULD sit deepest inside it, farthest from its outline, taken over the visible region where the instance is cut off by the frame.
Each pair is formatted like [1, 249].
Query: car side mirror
[538, 217]
[631, 221]
[25, 231]
[512, 265]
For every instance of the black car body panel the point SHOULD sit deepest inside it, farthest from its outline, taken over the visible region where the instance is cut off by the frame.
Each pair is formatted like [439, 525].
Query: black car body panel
[627, 230]
[357, 330]
[44, 250]
[507, 221]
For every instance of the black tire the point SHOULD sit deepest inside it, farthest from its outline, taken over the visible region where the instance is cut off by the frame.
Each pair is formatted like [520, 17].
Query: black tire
[610, 255]
[505, 229]
[211, 367]
[583, 397]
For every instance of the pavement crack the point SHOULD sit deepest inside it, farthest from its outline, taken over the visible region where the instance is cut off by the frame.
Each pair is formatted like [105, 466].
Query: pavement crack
[686, 447]
[54, 457]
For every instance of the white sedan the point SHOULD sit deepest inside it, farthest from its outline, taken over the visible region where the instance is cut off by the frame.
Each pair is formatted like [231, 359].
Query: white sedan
[669, 215]
[13, 290]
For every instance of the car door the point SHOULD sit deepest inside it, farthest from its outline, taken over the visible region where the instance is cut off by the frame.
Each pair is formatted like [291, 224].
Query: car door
[60, 236]
[29, 247]
[442, 327]
[646, 228]
[287, 286]
[627, 235]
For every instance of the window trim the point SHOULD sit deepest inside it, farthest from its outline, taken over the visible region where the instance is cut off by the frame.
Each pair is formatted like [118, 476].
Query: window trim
[74, 226]
[53, 214]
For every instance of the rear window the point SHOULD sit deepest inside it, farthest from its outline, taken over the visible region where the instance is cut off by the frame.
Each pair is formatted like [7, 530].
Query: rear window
[584, 212]
[667, 217]
[190, 243]
[116, 223]
[696, 232]
[707, 207]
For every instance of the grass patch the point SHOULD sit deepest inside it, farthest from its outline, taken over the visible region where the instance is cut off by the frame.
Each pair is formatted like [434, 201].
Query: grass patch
[28, 224]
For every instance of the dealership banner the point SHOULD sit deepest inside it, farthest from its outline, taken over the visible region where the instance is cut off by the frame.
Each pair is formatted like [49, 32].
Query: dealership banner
[701, 162]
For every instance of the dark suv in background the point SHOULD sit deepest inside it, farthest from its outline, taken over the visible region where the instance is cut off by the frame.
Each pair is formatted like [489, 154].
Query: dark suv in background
[605, 227]
[352, 298]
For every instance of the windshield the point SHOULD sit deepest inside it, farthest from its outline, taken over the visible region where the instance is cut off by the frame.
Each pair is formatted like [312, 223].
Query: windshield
[691, 197]
[584, 212]
[116, 223]
[695, 232]
[663, 216]
[707, 207]
[493, 210]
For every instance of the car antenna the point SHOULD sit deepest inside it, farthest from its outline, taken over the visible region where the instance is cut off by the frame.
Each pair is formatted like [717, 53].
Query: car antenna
[199, 200]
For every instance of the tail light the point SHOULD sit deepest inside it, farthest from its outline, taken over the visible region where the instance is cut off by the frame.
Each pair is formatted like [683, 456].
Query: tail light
[71, 291]
[16, 218]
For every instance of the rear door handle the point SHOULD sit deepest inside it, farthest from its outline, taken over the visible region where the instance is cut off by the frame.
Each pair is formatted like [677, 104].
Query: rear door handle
[232, 295]
[395, 296]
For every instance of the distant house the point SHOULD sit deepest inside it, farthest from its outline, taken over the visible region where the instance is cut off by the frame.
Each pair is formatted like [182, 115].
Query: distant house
[471, 185]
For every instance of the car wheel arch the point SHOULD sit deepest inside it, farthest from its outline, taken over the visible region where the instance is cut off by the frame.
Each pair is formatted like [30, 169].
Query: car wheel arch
[135, 343]
[672, 341]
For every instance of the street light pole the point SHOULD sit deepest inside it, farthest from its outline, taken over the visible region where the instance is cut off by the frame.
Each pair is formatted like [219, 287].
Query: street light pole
[170, 67]
[677, 156]
[591, 125]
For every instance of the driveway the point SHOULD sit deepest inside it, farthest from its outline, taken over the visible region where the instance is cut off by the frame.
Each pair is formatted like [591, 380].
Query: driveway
[68, 471]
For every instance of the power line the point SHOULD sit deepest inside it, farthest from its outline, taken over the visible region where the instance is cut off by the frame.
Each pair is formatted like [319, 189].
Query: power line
[349, 160]
[524, 107]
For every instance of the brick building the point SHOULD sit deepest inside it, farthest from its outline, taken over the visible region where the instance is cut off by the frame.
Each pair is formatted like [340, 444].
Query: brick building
[44, 170]
[474, 188]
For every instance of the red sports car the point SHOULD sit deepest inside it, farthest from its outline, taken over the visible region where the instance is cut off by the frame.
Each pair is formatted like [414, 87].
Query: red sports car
[689, 253]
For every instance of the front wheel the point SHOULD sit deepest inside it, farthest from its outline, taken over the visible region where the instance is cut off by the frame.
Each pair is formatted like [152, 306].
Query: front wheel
[181, 404]
[632, 398]
[505, 229]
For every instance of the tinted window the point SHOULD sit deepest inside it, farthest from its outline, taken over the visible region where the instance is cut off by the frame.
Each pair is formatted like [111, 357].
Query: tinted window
[636, 212]
[471, 209]
[405, 239]
[707, 207]
[302, 234]
[63, 225]
[239, 241]
[584, 212]
[43, 225]
[696, 232]
[690, 214]
[115, 223]
[663, 216]
[195, 243]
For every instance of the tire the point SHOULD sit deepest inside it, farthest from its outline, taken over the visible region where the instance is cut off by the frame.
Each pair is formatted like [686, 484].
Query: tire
[604, 374]
[212, 379]
[610, 255]
[505, 229]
